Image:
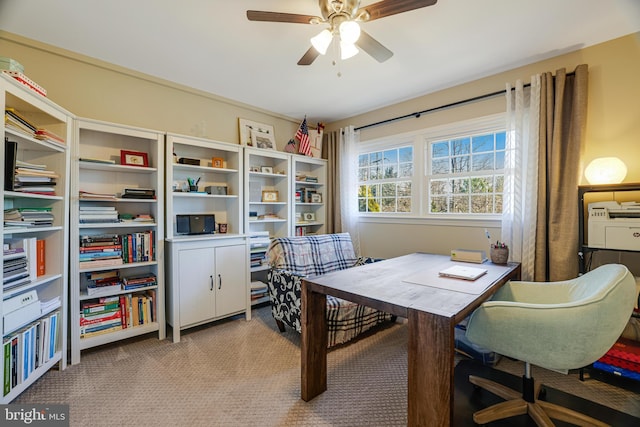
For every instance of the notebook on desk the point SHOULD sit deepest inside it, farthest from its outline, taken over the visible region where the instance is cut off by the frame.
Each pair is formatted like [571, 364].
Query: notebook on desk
[462, 272]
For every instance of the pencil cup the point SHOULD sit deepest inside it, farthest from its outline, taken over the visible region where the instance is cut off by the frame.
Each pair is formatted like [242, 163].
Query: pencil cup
[193, 188]
[499, 255]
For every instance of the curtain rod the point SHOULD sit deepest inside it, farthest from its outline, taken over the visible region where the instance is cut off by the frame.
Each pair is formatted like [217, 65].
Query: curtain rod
[442, 107]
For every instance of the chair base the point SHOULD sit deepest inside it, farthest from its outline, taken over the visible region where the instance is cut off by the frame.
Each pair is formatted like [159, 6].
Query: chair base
[515, 404]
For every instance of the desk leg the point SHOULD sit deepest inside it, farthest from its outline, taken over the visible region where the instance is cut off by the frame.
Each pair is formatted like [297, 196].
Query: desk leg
[430, 370]
[314, 344]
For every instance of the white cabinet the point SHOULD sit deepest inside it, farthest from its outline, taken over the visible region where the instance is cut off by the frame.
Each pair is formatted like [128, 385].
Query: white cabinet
[309, 194]
[117, 234]
[35, 256]
[207, 281]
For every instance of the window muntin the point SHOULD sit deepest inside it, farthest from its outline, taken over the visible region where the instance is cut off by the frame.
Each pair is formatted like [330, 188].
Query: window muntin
[385, 180]
[466, 174]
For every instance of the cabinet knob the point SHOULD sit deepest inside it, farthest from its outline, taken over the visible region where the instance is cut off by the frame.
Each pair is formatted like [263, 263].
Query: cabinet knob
[211, 281]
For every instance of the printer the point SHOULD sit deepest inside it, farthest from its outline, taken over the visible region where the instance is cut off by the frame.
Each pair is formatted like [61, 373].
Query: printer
[613, 225]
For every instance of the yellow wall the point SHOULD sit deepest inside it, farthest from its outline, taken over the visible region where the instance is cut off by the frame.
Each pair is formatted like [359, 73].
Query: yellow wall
[613, 123]
[94, 89]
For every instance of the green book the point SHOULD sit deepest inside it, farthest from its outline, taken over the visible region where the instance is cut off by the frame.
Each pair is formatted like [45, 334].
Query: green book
[7, 368]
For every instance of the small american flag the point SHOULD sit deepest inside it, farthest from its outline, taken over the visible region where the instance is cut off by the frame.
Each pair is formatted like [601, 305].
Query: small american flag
[302, 134]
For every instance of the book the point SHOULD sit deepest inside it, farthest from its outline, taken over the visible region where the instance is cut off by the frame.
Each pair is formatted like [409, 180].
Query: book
[463, 272]
[10, 153]
[94, 160]
[40, 258]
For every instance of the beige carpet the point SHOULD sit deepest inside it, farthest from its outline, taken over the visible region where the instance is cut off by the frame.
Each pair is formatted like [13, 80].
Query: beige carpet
[238, 373]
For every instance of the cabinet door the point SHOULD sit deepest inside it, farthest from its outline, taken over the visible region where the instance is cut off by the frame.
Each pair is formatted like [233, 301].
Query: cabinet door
[231, 287]
[197, 290]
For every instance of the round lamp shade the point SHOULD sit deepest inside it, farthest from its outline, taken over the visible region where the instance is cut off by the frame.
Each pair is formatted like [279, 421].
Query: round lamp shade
[606, 170]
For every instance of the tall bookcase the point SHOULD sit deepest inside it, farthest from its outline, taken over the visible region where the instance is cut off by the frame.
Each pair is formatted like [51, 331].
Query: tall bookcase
[206, 273]
[35, 264]
[310, 192]
[267, 209]
[117, 234]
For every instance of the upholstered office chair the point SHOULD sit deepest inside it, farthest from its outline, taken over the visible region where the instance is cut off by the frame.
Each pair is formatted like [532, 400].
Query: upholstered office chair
[556, 325]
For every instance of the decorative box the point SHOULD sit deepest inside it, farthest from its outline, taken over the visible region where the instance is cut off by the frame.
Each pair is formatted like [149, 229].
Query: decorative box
[10, 64]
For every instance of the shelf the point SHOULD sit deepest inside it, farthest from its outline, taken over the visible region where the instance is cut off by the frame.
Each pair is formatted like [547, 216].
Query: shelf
[109, 167]
[84, 296]
[194, 168]
[109, 337]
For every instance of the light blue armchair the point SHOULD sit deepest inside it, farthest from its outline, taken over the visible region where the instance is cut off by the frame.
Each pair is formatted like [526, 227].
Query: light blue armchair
[556, 325]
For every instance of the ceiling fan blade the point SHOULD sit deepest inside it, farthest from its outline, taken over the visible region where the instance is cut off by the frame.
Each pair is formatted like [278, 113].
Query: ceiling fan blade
[309, 56]
[259, 15]
[373, 47]
[391, 7]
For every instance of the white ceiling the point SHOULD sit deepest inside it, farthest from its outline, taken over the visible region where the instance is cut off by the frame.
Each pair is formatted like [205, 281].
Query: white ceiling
[210, 45]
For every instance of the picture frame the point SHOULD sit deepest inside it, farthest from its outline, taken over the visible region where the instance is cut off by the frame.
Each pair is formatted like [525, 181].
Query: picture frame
[245, 128]
[316, 198]
[134, 158]
[270, 196]
[309, 216]
[266, 169]
[254, 169]
[264, 140]
[217, 162]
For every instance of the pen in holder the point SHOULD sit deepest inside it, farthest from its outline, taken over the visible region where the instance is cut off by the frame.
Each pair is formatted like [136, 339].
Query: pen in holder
[499, 253]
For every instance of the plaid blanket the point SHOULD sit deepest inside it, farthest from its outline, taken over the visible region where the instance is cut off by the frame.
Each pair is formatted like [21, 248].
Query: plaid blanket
[293, 258]
[312, 255]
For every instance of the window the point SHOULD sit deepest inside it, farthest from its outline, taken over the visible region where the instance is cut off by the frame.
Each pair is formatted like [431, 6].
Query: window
[384, 180]
[466, 174]
[460, 175]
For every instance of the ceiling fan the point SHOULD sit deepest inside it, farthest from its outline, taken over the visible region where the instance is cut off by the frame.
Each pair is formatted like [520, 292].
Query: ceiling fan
[343, 19]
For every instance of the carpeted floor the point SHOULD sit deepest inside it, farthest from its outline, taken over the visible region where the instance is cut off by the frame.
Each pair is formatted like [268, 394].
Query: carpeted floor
[238, 373]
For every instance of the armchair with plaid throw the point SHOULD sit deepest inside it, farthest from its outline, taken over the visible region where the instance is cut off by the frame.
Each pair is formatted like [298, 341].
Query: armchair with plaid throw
[293, 258]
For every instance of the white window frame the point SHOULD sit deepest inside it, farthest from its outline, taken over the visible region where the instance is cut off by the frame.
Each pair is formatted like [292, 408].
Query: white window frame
[419, 183]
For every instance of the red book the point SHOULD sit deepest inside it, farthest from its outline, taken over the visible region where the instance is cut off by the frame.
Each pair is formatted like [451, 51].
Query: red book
[40, 257]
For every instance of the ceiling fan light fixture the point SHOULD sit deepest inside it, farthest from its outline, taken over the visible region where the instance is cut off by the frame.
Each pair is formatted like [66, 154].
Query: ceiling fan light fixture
[349, 32]
[322, 41]
[347, 50]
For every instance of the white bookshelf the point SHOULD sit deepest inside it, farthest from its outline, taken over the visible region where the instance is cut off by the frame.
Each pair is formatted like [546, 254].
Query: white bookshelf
[49, 284]
[207, 277]
[97, 168]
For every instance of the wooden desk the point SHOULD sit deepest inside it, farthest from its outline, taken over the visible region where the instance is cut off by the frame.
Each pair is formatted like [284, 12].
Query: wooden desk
[432, 314]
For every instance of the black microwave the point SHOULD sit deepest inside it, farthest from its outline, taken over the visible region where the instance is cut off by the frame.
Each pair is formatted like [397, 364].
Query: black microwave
[195, 224]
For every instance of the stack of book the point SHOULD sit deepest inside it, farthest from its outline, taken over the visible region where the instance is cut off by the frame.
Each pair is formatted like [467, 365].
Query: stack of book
[15, 270]
[87, 195]
[33, 178]
[258, 289]
[36, 217]
[100, 251]
[46, 135]
[98, 214]
[258, 245]
[139, 281]
[101, 316]
[15, 121]
[103, 282]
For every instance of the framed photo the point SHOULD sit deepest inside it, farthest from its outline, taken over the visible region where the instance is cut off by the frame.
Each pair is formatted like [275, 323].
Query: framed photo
[254, 169]
[309, 216]
[262, 140]
[269, 196]
[217, 162]
[266, 169]
[316, 198]
[134, 158]
[245, 128]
